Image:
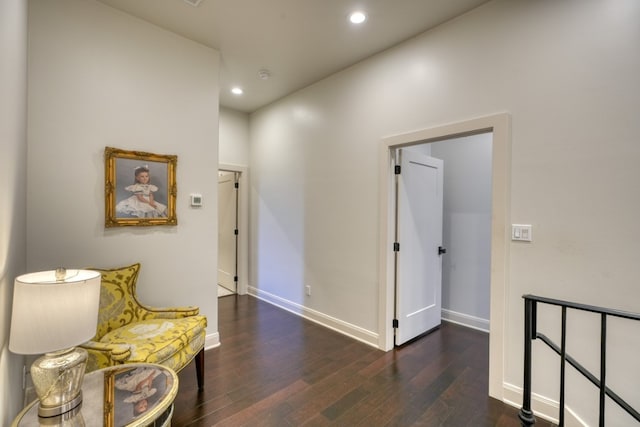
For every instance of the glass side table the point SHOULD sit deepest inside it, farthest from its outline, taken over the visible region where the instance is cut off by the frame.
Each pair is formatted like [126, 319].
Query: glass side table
[136, 394]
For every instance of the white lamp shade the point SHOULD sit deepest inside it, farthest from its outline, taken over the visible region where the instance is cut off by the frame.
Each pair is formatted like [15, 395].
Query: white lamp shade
[50, 315]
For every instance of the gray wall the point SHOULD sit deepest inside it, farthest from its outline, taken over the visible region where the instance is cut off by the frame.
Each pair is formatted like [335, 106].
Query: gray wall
[234, 137]
[97, 78]
[13, 166]
[566, 72]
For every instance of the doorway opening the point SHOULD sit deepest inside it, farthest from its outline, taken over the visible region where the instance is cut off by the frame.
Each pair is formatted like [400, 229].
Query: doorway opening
[443, 234]
[232, 230]
[499, 126]
[418, 245]
[228, 232]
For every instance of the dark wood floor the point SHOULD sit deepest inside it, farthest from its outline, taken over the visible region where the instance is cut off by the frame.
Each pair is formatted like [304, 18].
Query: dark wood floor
[276, 369]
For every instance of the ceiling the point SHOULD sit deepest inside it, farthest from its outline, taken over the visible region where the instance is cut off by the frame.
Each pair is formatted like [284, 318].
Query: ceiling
[298, 41]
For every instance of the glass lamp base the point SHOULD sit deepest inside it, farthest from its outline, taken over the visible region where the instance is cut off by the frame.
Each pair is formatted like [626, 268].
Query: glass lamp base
[72, 418]
[57, 378]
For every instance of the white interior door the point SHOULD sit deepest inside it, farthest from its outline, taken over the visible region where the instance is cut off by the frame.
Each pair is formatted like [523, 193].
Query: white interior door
[419, 239]
[227, 226]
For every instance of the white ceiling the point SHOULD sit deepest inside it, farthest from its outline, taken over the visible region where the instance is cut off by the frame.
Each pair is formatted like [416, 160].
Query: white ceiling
[298, 41]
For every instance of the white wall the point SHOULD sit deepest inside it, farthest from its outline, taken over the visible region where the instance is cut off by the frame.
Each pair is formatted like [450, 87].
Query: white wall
[13, 164]
[466, 228]
[567, 74]
[99, 77]
[234, 137]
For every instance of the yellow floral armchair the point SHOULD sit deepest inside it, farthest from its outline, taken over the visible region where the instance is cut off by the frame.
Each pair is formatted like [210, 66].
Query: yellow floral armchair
[129, 332]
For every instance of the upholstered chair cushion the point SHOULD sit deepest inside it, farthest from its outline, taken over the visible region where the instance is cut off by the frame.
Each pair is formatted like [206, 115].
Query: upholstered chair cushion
[172, 343]
[130, 332]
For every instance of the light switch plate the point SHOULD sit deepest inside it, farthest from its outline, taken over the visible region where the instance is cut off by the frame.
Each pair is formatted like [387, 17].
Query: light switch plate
[521, 232]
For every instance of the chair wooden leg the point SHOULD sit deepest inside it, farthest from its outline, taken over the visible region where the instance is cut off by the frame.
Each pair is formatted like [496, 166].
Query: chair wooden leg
[200, 369]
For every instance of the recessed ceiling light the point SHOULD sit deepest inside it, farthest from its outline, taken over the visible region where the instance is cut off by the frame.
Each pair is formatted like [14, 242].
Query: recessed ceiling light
[357, 17]
[237, 91]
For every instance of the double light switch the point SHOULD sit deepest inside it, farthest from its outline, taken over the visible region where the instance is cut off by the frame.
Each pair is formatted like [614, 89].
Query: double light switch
[521, 232]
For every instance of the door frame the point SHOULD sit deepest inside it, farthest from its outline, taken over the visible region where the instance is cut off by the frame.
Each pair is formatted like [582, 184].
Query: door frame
[500, 125]
[243, 224]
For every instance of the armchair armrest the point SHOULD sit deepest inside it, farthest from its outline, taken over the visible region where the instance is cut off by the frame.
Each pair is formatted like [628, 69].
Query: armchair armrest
[116, 353]
[170, 312]
[102, 355]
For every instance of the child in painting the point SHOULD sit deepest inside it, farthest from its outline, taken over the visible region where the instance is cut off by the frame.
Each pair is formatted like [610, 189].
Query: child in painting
[139, 383]
[141, 204]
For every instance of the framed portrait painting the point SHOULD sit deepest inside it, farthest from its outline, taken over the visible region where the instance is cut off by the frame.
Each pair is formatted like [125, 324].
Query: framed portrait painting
[140, 188]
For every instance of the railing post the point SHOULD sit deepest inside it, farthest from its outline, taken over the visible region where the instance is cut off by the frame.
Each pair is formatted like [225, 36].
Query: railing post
[563, 360]
[526, 415]
[603, 366]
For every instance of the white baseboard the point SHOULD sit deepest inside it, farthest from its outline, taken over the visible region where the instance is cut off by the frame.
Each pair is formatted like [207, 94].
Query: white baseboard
[541, 406]
[212, 341]
[353, 331]
[466, 320]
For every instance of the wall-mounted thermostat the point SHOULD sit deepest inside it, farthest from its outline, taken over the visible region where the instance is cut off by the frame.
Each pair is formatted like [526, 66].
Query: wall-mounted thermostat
[196, 200]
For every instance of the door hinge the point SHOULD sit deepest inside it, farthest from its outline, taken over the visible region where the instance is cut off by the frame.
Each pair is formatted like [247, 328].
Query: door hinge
[237, 185]
[396, 247]
[397, 169]
[394, 323]
[235, 278]
[235, 231]
[441, 250]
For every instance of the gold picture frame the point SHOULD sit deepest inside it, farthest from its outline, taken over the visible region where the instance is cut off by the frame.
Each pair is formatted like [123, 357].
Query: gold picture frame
[140, 188]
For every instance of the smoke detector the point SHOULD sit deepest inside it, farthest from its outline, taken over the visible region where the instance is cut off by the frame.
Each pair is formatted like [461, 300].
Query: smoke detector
[193, 3]
[264, 74]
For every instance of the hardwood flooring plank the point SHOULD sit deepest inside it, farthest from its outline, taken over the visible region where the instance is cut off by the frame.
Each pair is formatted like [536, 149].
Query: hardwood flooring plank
[275, 369]
[263, 407]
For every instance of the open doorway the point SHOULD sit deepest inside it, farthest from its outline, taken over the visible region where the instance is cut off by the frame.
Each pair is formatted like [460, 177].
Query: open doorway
[443, 235]
[232, 230]
[418, 245]
[227, 232]
[466, 266]
[499, 125]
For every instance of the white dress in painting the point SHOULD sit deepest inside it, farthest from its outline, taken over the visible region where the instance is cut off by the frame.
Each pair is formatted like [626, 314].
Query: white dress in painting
[134, 206]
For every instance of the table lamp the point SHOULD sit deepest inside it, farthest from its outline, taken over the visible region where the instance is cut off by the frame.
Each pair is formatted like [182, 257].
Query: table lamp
[52, 312]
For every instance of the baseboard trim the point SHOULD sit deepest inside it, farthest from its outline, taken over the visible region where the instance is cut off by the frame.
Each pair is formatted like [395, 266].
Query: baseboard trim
[353, 331]
[212, 341]
[466, 320]
[542, 406]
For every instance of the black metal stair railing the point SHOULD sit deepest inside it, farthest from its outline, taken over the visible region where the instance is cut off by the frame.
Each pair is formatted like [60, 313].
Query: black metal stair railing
[526, 416]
